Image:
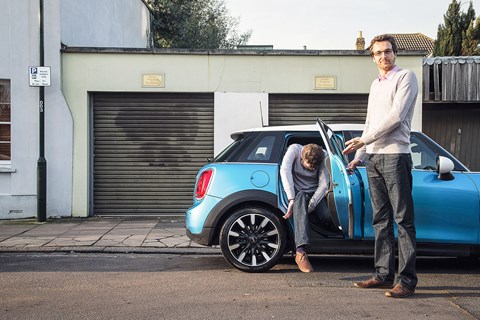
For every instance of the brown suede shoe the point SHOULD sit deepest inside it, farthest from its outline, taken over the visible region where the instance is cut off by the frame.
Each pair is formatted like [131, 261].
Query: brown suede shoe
[373, 283]
[399, 291]
[302, 261]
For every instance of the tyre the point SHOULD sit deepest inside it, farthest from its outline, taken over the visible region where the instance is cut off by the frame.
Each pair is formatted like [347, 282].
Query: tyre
[253, 239]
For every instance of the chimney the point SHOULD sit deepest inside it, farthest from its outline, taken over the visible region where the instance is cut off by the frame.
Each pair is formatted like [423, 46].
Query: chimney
[360, 44]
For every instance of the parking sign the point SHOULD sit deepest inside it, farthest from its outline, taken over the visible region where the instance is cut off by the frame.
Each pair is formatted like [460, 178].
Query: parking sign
[39, 76]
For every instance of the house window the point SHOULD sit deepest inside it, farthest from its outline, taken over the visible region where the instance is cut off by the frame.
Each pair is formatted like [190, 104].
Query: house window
[5, 122]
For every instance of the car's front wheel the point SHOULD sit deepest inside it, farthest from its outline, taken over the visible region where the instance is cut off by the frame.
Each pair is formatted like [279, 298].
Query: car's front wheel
[253, 239]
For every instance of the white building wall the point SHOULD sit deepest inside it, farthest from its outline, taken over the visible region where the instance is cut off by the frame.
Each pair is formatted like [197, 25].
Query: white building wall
[236, 111]
[18, 51]
[58, 122]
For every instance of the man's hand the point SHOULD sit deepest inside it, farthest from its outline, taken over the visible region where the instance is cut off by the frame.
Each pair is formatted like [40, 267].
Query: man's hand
[353, 145]
[289, 213]
[353, 164]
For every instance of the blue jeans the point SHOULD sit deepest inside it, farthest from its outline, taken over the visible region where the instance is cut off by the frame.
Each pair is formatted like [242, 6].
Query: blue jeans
[300, 217]
[390, 185]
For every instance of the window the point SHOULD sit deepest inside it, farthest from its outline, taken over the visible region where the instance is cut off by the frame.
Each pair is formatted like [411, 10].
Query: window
[5, 122]
[422, 156]
[348, 135]
[264, 147]
[263, 150]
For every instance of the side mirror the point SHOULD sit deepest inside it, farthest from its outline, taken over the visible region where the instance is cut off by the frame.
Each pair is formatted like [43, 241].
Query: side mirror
[444, 166]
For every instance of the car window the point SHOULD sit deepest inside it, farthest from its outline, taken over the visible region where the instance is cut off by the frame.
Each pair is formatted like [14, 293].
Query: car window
[430, 149]
[228, 153]
[423, 149]
[262, 150]
[422, 156]
[348, 135]
[264, 147]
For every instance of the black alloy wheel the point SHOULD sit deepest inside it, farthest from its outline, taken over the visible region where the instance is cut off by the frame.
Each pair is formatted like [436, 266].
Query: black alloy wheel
[253, 239]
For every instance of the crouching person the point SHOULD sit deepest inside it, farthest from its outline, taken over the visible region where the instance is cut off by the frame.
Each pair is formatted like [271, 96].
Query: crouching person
[305, 179]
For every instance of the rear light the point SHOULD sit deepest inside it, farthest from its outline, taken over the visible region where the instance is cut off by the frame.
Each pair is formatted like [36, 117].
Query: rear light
[202, 184]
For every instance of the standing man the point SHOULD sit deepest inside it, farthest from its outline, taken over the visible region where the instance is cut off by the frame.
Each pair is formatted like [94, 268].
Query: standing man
[305, 179]
[384, 146]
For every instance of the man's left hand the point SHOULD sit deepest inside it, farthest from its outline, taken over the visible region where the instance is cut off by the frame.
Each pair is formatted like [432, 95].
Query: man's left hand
[353, 145]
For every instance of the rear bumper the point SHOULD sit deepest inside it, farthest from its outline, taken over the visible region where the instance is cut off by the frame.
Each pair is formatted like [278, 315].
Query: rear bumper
[203, 238]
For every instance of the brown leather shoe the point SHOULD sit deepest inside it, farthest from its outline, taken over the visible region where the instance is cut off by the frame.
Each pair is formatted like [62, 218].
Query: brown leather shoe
[399, 291]
[302, 261]
[373, 283]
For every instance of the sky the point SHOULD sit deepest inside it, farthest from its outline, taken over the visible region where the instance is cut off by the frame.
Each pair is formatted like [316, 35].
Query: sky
[335, 24]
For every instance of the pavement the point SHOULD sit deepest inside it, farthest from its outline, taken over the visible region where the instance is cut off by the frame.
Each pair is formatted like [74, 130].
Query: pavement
[100, 234]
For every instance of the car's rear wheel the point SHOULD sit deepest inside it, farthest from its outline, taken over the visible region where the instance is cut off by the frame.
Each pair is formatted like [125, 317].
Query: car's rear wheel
[253, 239]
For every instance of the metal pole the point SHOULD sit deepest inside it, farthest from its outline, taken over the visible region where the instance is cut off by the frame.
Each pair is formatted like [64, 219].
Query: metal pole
[42, 162]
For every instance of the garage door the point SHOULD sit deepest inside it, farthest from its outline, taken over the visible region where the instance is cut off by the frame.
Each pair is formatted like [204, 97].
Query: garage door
[290, 109]
[147, 149]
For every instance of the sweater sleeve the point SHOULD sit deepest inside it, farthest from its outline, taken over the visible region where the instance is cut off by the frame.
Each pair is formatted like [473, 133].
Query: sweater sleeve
[286, 171]
[323, 183]
[406, 92]
[362, 152]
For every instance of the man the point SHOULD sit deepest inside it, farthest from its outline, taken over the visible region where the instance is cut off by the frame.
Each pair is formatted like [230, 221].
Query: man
[384, 145]
[305, 180]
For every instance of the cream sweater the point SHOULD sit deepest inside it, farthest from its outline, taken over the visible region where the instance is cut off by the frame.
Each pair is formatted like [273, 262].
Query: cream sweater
[389, 115]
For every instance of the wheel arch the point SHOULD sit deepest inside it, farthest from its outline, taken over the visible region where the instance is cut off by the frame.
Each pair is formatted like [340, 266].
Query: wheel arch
[239, 200]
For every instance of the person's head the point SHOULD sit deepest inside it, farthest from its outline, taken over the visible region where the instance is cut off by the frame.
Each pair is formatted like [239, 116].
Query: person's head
[312, 156]
[383, 50]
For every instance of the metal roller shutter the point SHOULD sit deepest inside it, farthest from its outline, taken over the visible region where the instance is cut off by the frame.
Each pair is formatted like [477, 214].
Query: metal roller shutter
[290, 109]
[147, 150]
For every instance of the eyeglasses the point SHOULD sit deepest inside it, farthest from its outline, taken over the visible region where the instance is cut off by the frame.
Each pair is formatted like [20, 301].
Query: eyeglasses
[386, 52]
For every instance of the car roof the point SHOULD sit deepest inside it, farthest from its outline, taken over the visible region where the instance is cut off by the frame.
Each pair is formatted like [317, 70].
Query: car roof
[303, 127]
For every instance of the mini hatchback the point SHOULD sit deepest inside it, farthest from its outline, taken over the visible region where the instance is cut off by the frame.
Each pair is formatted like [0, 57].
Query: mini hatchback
[239, 201]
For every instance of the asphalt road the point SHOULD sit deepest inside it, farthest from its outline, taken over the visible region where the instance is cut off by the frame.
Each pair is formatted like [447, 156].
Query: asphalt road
[161, 286]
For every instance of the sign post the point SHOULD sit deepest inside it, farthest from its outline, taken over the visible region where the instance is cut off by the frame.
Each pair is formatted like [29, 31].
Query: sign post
[40, 76]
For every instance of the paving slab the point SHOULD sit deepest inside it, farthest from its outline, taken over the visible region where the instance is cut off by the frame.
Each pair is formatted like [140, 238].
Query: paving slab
[99, 234]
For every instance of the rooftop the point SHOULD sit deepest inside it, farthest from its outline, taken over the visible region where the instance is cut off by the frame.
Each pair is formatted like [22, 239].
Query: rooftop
[414, 41]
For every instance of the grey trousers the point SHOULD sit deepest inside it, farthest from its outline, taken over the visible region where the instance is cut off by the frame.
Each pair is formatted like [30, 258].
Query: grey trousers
[390, 185]
[300, 217]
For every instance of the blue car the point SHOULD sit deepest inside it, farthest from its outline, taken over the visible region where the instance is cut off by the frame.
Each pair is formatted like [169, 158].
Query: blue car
[239, 200]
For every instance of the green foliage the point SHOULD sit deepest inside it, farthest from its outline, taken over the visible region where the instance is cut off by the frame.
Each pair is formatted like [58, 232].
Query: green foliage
[471, 39]
[460, 33]
[195, 24]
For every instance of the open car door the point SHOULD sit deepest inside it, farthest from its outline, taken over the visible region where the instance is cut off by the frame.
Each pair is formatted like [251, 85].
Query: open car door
[345, 194]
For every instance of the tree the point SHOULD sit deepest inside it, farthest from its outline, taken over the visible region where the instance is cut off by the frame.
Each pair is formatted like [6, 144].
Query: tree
[459, 35]
[195, 24]
[470, 39]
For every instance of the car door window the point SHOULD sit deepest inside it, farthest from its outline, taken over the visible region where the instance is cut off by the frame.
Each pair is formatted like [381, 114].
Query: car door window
[348, 135]
[423, 157]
